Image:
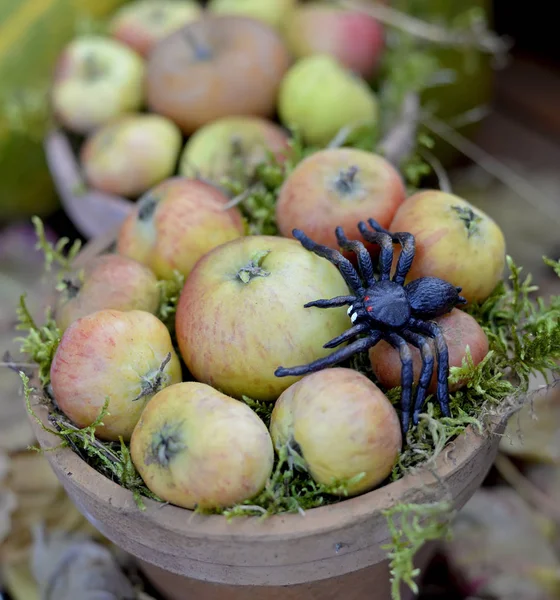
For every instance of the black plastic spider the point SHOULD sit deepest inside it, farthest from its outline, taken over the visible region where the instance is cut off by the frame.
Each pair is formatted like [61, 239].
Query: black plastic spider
[386, 309]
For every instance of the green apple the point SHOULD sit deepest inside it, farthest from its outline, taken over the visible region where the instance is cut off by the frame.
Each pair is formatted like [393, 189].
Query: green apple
[271, 12]
[319, 96]
[212, 151]
[131, 154]
[96, 79]
[142, 23]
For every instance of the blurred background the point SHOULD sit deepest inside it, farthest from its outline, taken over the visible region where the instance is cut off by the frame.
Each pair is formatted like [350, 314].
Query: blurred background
[497, 136]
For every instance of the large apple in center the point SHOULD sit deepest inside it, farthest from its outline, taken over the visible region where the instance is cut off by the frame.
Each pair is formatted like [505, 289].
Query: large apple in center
[214, 67]
[241, 314]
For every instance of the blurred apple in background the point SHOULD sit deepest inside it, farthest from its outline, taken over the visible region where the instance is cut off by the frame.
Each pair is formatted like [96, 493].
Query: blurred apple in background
[215, 67]
[141, 24]
[96, 79]
[212, 152]
[131, 154]
[271, 12]
[355, 39]
[319, 96]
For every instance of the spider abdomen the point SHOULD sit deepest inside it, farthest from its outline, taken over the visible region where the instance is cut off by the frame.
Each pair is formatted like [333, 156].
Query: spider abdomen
[387, 305]
[431, 297]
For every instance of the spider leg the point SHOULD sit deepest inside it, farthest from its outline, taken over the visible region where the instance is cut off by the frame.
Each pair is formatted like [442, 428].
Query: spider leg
[408, 245]
[336, 357]
[335, 257]
[344, 337]
[434, 331]
[331, 302]
[407, 376]
[364, 259]
[386, 242]
[426, 372]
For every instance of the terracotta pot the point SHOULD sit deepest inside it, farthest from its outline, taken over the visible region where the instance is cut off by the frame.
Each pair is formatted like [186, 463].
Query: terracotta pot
[331, 552]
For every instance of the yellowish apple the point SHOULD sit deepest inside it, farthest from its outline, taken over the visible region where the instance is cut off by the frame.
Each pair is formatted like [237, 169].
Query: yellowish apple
[319, 96]
[455, 241]
[96, 79]
[213, 150]
[196, 447]
[131, 154]
[142, 23]
[341, 425]
[271, 12]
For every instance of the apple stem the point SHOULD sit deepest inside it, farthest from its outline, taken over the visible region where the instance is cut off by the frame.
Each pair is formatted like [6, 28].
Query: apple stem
[71, 288]
[469, 218]
[146, 207]
[151, 384]
[346, 179]
[92, 69]
[200, 51]
[253, 268]
[166, 444]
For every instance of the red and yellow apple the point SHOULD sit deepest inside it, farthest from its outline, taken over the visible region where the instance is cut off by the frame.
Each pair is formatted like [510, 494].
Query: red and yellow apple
[196, 447]
[455, 241]
[216, 67]
[121, 356]
[319, 96]
[175, 224]
[131, 154]
[460, 330]
[212, 151]
[272, 12]
[141, 24]
[338, 186]
[354, 38]
[108, 281]
[241, 314]
[96, 79]
[342, 426]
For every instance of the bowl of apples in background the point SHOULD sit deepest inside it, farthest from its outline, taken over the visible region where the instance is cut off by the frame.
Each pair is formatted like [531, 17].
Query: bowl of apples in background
[174, 88]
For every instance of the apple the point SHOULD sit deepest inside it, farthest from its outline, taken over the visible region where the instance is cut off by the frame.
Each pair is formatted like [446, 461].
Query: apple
[96, 79]
[131, 154]
[241, 314]
[212, 151]
[341, 425]
[460, 331]
[319, 96]
[338, 187]
[215, 67]
[354, 38]
[455, 241]
[272, 12]
[176, 223]
[108, 281]
[141, 24]
[196, 447]
[123, 356]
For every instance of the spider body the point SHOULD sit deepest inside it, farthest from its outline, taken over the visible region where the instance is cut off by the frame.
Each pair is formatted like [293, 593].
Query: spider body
[383, 308]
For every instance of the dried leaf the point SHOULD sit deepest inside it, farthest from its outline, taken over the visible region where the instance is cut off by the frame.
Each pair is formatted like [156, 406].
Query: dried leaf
[8, 500]
[68, 567]
[534, 433]
[500, 549]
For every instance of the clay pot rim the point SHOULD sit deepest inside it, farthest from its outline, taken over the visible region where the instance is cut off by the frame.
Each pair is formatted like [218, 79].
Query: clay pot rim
[415, 487]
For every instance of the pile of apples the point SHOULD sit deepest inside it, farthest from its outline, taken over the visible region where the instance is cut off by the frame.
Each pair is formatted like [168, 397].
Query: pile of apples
[176, 393]
[175, 88]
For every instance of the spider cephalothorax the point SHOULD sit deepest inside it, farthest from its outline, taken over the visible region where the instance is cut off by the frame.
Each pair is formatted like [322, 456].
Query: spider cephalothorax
[383, 308]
